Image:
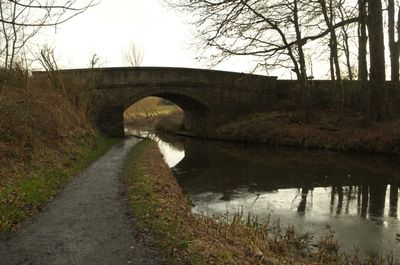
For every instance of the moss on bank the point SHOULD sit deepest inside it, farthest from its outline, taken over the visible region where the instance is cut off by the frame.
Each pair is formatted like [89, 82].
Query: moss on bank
[27, 188]
[160, 207]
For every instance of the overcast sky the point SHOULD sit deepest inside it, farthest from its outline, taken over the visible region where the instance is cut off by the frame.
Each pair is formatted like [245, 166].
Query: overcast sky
[108, 29]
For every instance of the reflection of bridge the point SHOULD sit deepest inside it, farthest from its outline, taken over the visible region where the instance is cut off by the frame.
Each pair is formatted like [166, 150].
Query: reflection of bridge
[208, 98]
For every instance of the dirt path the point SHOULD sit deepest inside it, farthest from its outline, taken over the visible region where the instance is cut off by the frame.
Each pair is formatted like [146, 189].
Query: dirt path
[88, 223]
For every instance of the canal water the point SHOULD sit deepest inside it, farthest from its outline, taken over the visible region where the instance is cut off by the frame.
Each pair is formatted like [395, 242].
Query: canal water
[354, 196]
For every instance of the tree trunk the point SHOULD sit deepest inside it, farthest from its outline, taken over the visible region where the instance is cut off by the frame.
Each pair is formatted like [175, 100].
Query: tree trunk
[334, 50]
[393, 46]
[347, 53]
[302, 62]
[362, 42]
[377, 58]
[346, 38]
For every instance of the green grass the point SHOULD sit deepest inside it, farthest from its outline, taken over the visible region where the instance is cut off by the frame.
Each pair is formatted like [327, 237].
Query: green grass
[24, 196]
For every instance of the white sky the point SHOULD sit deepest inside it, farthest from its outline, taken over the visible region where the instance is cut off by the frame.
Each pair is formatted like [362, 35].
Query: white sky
[109, 28]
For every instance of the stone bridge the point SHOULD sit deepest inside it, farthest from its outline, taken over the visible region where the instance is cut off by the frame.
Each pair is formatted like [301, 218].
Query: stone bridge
[208, 98]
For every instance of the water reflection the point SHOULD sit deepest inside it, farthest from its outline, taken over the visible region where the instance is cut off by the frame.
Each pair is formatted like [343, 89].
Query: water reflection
[354, 195]
[172, 149]
[365, 201]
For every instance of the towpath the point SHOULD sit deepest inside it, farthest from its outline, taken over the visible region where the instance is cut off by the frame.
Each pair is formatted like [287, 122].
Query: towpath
[87, 223]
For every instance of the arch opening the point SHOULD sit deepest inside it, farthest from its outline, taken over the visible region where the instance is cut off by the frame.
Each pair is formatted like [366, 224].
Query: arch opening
[165, 112]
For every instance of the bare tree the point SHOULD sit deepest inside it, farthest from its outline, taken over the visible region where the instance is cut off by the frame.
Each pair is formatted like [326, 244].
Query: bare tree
[133, 56]
[22, 20]
[49, 63]
[275, 34]
[394, 46]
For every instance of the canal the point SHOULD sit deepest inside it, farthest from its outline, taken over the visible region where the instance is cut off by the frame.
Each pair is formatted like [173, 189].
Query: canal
[354, 196]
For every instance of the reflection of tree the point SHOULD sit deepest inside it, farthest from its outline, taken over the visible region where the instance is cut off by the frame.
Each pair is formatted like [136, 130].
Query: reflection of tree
[349, 198]
[394, 200]
[223, 168]
[371, 199]
[377, 194]
[359, 190]
[333, 197]
[364, 200]
[303, 202]
[339, 189]
[336, 190]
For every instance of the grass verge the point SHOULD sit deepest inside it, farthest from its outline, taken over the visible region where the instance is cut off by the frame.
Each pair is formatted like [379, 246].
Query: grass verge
[159, 206]
[22, 195]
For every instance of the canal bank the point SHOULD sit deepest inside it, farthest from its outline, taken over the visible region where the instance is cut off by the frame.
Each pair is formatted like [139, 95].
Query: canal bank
[324, 130]
[200, 239]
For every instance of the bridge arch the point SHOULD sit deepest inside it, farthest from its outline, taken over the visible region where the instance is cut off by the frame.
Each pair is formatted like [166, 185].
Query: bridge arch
[195, 113]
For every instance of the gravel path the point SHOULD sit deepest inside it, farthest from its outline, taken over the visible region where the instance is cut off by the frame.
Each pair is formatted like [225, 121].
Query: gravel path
[87, 223]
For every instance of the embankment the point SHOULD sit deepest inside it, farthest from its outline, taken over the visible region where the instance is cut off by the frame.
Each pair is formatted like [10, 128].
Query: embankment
[45, 139]
[323, 132]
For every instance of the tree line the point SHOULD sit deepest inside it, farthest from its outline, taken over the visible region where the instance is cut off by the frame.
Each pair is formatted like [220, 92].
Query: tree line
[289, 33]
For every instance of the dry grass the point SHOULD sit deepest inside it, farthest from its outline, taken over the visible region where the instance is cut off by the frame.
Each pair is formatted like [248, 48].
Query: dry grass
[35, 118]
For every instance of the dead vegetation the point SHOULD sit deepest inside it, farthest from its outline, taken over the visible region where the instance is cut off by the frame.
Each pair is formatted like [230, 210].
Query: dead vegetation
[35, 116]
